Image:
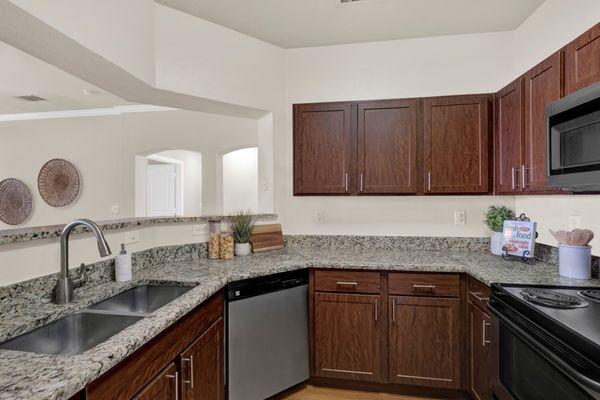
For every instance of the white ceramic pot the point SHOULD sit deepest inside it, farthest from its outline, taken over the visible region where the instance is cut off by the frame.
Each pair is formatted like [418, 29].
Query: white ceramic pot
[575, 261]
[496, 243]
[242, 249]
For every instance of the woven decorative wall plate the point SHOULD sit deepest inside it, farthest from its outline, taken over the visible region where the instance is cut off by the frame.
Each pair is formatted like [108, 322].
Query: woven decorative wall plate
[58, 182]
[15, 201]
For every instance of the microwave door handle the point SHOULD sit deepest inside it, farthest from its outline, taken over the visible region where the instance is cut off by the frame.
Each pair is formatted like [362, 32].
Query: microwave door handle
[553, 359]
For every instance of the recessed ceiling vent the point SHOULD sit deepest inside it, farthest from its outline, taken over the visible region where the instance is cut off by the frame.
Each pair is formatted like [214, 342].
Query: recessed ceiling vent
[30, 98]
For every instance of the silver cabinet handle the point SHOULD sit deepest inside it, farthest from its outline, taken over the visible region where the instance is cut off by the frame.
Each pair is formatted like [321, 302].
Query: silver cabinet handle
[342, 283]
[394, 311]
[362, 181]
[429, 181]
[430, 287]
[376, 310]
[523, 176]
[176, 377]
[346, 181]
[191, 361]
[513, 171]
[478, 297]
[484, 325]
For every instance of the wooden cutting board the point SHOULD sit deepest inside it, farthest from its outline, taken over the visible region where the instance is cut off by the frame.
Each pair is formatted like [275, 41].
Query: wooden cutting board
[266, 237]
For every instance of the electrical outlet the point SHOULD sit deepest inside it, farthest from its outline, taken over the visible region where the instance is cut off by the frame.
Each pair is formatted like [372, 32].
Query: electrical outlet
[574, 222]
[132, 237]
[199, 230]
[114, 209]
[460, 217]
[319, 216]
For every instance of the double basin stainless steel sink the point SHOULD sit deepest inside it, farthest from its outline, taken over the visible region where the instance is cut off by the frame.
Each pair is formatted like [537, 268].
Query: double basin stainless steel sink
[85, 329]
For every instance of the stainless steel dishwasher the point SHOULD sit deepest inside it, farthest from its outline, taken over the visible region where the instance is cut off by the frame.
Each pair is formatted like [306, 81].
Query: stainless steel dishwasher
[267, 335]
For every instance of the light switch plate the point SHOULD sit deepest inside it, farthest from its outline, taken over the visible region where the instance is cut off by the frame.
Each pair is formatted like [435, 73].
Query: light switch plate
[319, 216]
[114, 209]
[574, 222]
[132, 237]
[460, 217]
[199, 230]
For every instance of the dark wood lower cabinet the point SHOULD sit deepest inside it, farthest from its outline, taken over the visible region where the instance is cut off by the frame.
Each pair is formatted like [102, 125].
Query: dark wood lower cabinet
[164, 387]
[424, 341]
[202, 366]
[480, 350]
[347, 336]
[159, 369]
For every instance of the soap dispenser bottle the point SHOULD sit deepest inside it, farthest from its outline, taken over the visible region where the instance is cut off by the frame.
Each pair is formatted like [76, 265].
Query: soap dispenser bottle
[123, 270]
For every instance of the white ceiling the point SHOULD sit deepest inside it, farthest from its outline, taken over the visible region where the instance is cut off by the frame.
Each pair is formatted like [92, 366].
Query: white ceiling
[23, 74]
[306, 23]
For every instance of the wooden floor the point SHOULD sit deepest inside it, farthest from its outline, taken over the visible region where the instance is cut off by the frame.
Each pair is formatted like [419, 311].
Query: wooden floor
[320, 393]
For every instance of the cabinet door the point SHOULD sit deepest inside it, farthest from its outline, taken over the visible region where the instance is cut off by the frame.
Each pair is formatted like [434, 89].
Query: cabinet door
[164, 387]
[542, 86]
[456, 144]
[202, 366]
[582, 61]
[324, 148]
[424, 346]
[387, 147]
[509, 137]
[481, 361]
[347, 336]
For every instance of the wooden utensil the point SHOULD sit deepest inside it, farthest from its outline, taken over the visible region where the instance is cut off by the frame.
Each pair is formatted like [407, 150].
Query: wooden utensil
[266, 237]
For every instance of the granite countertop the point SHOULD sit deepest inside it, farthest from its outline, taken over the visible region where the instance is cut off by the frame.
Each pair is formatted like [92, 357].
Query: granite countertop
[37, 376]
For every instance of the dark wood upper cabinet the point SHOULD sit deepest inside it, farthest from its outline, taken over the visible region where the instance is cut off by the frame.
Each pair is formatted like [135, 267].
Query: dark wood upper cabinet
[456, 144]
[542, 86]
[324, 148]
[425, 341]
[480, 350]
[347, 336]
[509, 138]
[582, 61]
[387, 147]
[202, 366]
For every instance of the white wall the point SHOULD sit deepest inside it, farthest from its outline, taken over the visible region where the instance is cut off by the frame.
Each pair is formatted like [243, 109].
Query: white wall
[104, 151]
[240, 180]
[479, 63]
[120, 31]
[553, 25]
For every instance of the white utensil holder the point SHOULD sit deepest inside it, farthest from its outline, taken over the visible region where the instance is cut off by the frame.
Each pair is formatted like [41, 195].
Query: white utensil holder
[575, 261]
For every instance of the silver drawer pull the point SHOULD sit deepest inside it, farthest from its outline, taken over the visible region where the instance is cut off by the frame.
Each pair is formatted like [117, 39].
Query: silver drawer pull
[176, 377]
[484, 333]
[342, 283]
[376, 310]
[191, 361]
[428, 287]
[478, 297]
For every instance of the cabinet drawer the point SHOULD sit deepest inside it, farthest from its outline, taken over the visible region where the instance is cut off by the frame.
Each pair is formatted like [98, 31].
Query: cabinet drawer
[438, 285]
[479, 294]
[348, 281]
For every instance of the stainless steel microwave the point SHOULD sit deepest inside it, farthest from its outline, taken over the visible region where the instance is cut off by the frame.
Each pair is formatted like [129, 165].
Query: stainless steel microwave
[573, 141]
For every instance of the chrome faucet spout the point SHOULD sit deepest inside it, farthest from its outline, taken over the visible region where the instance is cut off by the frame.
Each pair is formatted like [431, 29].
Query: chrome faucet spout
[64, 286]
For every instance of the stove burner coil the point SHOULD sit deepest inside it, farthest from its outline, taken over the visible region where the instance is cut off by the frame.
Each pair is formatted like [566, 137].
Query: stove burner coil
[592, 294]
[554, 299]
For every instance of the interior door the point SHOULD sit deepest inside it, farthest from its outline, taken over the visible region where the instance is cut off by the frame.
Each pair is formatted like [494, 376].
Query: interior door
[456, 144]
[387, 147]
[324, 148]
[161, 190]
[509, 138]
[542, 87]
[347, 336]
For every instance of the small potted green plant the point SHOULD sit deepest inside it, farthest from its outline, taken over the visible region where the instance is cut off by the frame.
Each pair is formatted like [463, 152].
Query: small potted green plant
[241, 226]
[494, 219]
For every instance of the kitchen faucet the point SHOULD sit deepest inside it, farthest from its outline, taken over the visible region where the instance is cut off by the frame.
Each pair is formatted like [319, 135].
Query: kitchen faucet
[65, 284]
